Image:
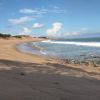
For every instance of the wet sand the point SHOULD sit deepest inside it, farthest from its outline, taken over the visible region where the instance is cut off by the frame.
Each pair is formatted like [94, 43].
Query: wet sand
[30, 77]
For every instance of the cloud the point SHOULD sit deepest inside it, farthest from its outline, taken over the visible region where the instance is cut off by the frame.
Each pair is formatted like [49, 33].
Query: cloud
[75, 33]
[33, 11]
[54, 9]
[21, 20]
[54, 31]
[81, 31]
[37, 26]
[70, 33]
[57, 9]
[27, 11]
[25, 31]
[38, 12]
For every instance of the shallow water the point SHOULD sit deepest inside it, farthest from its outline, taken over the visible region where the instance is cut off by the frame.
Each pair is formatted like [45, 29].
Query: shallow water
[63, 49]
[70, 49]
[28, 48]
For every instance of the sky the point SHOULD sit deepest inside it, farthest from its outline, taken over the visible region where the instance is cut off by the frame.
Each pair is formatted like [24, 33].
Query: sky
[52, 18]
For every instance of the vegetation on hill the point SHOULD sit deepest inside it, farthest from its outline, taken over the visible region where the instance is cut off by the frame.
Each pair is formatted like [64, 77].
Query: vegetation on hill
[5, 35]
[9, 36]
[17, 36]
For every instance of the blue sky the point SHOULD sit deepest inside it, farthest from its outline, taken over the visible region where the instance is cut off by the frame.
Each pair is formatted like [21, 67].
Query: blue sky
[50, 17]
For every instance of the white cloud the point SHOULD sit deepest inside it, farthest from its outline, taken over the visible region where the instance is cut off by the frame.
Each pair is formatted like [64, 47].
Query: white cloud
[54, 31]
[27, 11]
[25, 31]
[37, 25]
[70, 33]
[57, 9]
[81, 31]
[54, 9]
[21, 20]
[33, 11]
[38, 12]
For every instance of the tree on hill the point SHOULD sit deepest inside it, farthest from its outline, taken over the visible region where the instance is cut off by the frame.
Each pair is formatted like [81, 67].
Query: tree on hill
[5, 35]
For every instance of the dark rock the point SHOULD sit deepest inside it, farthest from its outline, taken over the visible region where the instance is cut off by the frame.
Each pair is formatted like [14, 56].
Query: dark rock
[22, 74]
[56, 83]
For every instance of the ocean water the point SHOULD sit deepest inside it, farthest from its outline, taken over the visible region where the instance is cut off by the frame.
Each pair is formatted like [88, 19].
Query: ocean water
[79, 49]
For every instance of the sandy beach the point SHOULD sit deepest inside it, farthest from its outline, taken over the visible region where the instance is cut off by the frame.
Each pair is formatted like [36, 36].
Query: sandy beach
[29, 77]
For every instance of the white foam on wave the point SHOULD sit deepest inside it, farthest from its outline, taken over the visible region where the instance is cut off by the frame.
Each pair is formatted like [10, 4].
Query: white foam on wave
[44, 53]
[91, 44]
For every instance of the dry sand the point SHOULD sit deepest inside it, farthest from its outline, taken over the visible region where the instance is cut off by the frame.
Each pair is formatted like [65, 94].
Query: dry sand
[29, 77]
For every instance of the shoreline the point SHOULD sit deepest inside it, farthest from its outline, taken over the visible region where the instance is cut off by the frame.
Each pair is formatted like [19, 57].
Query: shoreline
[29, 77]
[86, 63]
[12, 47]
[45, 58]
[85, 66]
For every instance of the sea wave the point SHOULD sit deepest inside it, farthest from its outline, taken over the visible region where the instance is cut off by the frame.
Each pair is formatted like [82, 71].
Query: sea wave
[91, 44]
